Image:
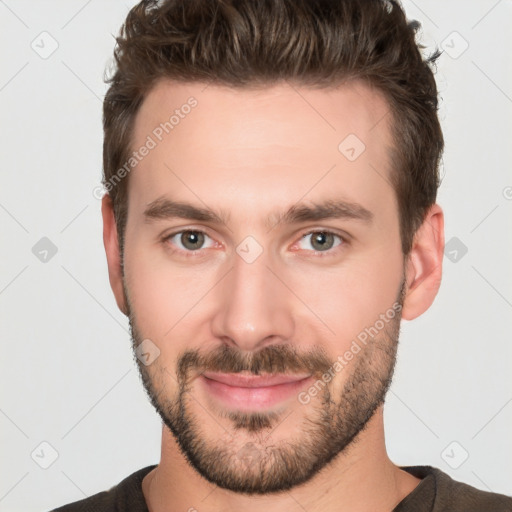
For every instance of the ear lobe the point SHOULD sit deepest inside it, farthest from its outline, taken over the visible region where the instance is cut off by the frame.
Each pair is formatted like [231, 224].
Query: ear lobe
[111, 243]
[424, 265]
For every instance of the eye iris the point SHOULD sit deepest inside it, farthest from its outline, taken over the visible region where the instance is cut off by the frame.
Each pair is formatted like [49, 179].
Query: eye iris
[192, 239]
[325, 241]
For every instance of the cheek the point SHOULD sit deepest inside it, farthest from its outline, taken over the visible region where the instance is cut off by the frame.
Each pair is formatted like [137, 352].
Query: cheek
[163, 294]
[351, 297]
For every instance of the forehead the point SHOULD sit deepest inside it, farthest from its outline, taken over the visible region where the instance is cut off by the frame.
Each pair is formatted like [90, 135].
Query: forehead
[326, 112]
[284, 138]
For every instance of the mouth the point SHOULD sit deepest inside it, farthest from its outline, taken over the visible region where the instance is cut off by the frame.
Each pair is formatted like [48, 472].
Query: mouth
[253, 392]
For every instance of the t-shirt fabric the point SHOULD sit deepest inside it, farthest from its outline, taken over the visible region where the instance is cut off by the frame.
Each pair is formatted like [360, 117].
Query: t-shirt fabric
[437, 492]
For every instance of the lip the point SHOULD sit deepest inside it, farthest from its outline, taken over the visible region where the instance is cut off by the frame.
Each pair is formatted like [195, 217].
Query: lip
[252, 392]
[240, 380]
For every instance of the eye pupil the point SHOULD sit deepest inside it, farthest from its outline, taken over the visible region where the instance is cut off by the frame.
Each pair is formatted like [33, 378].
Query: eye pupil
[192, 239]
[324, 240]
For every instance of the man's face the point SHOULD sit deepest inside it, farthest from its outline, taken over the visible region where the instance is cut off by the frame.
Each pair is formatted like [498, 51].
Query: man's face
[261, 292]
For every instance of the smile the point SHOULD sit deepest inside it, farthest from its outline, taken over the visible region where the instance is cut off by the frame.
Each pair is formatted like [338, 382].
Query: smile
[253, 392]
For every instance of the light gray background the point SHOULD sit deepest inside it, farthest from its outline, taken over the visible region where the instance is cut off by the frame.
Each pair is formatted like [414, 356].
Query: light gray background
[67, 373]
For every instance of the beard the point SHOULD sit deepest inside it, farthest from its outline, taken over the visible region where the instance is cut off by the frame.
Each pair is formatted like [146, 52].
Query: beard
[248, 461]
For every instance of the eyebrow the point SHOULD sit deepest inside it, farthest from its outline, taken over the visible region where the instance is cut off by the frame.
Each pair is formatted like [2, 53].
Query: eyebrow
[164, 208]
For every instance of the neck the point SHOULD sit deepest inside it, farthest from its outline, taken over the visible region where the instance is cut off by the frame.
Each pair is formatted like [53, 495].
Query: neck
[361, 479]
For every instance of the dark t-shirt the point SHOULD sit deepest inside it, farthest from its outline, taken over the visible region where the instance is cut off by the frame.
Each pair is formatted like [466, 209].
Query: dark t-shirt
[436, 492]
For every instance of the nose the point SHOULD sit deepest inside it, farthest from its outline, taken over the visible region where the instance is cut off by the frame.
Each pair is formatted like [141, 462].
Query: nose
[254, 307]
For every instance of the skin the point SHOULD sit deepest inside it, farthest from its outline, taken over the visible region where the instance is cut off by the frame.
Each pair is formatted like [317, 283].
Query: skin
[251, 153]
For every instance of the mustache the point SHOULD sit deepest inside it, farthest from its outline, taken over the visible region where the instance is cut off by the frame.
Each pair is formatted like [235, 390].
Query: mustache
[272, 359]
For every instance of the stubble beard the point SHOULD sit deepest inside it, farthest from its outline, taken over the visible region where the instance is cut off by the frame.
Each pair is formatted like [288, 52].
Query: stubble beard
[248, 459]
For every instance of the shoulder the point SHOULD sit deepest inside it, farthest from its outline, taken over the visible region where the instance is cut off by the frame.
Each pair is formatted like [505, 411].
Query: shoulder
[127, 496]
[451, 495]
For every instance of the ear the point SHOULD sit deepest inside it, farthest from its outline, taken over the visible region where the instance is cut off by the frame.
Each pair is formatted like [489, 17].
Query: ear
[424, 265]
[111, 242]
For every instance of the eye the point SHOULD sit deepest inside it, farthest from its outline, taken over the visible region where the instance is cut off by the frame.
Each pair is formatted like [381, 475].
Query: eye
[320, 241]
[189, 240]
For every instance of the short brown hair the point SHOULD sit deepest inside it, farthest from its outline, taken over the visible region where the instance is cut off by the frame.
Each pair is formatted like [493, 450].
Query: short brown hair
[257, 43]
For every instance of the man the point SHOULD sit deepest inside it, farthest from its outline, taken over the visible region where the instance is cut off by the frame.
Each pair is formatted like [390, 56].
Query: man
[271, 171]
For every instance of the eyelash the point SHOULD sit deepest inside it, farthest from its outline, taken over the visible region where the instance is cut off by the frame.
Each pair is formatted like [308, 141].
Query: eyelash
[317, 254]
